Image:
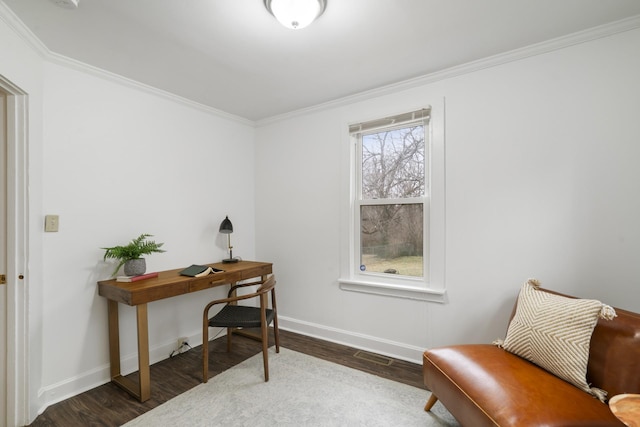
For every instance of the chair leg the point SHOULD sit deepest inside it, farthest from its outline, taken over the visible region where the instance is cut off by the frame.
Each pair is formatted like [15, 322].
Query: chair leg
[229, 335]
[274, 307]
[265, 350]
[276, 334]
[205, 351]
[432, 401]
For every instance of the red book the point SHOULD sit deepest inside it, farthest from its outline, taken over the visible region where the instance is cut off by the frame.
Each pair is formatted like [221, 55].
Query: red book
[136, 278]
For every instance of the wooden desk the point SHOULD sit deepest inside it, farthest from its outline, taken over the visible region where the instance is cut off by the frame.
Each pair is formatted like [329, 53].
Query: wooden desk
[168, 284]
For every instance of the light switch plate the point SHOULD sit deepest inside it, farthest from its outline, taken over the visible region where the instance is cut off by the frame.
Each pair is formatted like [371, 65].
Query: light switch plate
[51, 223]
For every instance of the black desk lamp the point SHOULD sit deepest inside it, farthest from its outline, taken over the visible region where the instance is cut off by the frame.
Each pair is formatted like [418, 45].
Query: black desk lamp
[227, 228]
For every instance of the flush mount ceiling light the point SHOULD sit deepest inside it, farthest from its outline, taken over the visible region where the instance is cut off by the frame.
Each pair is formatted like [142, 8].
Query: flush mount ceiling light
[295, 14]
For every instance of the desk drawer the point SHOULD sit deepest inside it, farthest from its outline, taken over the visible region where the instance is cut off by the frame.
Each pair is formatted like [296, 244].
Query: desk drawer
[213, 280]
[256, 272]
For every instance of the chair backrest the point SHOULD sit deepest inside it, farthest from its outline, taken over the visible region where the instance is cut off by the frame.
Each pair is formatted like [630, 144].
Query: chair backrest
[267, 285]
[263, 289]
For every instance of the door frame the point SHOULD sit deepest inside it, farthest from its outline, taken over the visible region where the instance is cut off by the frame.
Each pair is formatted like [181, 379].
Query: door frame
[17, 217]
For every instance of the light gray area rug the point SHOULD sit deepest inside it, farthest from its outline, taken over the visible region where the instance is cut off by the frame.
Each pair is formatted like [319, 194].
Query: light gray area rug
[302, 391]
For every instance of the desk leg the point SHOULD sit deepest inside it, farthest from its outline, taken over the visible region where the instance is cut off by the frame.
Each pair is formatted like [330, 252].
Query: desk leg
[143, 352]
[142, 390]
[114, 339]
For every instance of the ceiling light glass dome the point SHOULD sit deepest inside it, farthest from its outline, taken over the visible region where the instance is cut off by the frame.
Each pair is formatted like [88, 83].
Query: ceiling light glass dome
[295, 14]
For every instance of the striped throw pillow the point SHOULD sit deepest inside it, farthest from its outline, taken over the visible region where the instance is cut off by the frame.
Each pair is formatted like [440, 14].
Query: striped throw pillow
[554, 332]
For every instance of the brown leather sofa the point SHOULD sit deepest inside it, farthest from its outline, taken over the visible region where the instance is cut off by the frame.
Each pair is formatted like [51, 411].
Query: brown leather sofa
[484, 385]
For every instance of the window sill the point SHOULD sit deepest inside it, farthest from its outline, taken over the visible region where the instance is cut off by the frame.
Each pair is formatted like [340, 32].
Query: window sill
[397, 291]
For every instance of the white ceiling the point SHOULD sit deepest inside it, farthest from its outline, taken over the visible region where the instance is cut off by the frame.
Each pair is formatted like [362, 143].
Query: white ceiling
[233, 55]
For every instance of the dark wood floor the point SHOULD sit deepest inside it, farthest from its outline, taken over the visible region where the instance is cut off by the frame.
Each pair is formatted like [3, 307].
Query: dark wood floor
[108, 405]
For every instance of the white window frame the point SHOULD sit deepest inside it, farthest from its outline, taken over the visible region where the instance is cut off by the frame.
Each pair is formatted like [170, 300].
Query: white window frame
[431, 287]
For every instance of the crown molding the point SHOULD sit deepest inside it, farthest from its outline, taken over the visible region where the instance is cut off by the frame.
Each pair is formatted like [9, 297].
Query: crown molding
[579, 37]
[134, 84]
[19, 28]
[558, 43]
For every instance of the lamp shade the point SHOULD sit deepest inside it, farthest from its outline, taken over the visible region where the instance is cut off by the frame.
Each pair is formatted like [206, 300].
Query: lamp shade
[225, 226]
[295, 14]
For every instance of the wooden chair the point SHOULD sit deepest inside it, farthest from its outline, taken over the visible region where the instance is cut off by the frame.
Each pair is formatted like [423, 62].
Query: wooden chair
[241, 316]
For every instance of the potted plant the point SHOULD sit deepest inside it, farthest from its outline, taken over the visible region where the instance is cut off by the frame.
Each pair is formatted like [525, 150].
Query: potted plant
[130, 255]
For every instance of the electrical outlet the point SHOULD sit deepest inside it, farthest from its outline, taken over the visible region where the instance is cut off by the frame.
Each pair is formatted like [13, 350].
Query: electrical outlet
[182, 341]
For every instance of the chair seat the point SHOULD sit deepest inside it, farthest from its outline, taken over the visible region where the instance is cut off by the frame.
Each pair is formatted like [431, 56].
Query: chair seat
[239, 316]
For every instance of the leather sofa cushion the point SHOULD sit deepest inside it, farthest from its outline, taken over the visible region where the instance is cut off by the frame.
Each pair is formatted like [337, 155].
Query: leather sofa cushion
[494, 387]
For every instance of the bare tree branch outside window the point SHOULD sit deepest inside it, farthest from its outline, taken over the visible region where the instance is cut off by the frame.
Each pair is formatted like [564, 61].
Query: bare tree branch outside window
[393, 164]
[393, 167]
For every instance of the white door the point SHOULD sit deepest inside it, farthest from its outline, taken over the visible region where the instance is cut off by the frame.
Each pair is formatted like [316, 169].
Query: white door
[15, 393]
[3, 259]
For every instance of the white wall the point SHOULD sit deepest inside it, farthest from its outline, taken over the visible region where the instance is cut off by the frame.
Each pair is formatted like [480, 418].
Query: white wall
[120, 162]
[541, 181]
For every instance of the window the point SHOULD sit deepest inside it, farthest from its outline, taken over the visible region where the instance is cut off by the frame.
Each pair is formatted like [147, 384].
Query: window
[391, 195]
[390, 230]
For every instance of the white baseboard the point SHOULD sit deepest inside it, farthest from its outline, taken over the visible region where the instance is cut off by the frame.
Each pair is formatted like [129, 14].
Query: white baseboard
[129, 363]
[101, 375]
[369, 343]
